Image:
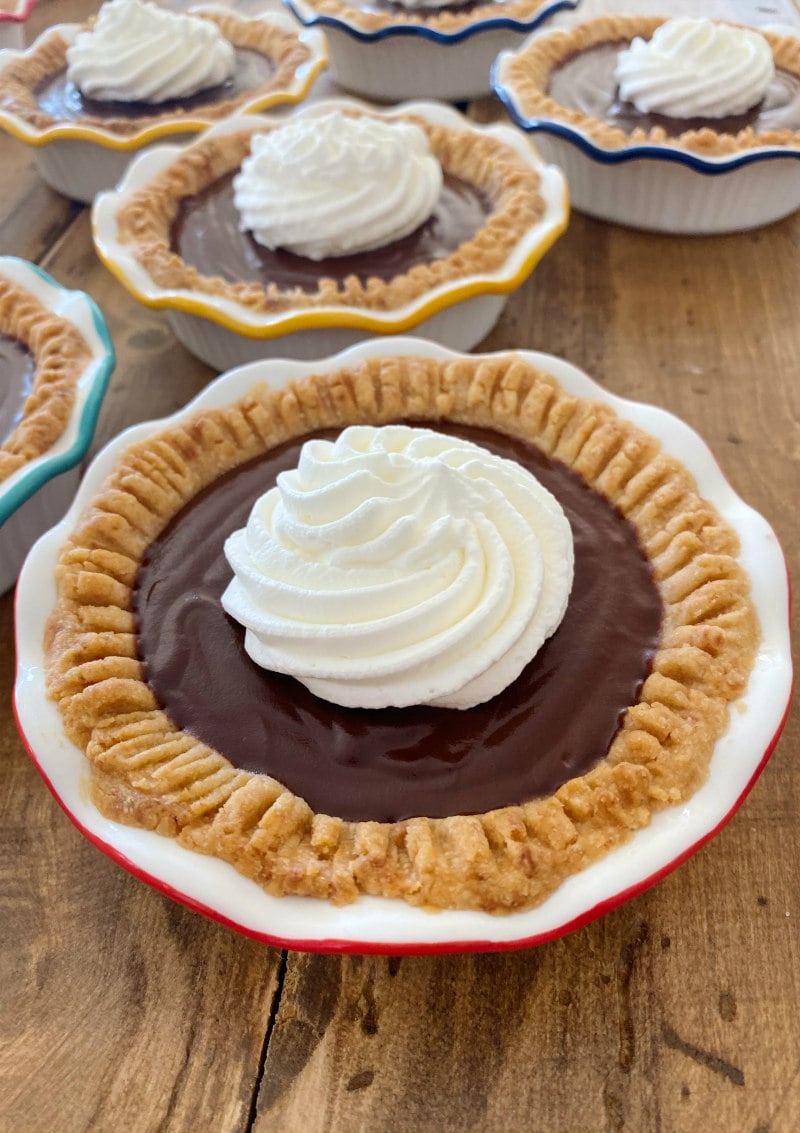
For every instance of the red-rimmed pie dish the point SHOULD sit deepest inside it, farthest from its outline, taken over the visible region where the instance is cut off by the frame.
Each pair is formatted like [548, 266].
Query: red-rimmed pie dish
[342, 869]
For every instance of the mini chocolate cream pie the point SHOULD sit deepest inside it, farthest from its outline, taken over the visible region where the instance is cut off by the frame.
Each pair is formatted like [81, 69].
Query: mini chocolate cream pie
[36, 87]
[41, 358]
[489, 807]
[186, 231]
[569, 77]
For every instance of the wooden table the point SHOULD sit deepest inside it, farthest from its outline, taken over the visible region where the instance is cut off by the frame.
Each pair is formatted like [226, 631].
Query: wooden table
[120, 1010]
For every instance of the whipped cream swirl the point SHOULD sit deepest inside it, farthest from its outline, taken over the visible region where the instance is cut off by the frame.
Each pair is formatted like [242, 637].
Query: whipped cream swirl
[138, 52]
[694, 68]
[334, 185]
[400, 566]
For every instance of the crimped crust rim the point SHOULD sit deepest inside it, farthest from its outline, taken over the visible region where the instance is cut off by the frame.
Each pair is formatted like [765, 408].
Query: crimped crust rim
[143, 225]
[60, 353]
[448, 22]
[146, 772]
[527, 73]
[47, 56]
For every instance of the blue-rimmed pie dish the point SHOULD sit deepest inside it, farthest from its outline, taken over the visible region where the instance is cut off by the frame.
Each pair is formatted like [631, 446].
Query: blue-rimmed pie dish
[387, 52]
[702, 179]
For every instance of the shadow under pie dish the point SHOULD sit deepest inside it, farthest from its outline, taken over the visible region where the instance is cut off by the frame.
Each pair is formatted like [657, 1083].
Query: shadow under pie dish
[680, 172]
[560, 858]
[55, 361]
[171, 235]
[82, 144]
[389, 51]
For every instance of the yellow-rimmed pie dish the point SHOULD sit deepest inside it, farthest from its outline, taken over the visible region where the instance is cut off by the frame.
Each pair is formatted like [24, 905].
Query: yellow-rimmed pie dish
[229, 311]
[82, 145]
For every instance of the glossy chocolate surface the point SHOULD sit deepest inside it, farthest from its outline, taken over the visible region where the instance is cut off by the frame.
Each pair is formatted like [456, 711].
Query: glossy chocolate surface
[586, 82]
[17, 372]
[470, 6]
[206, 235]
[62, 99]
[555, 721]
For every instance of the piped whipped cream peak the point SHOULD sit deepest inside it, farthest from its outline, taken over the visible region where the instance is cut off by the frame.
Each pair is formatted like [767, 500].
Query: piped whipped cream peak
[695, 68]
[138, 52]
[399, 566]
[334, 185]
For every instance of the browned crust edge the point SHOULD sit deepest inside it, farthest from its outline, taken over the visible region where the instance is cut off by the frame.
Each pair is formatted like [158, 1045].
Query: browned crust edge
[494, 167]
[528, 74]
[61, 355]
[147, 772]
[21, 78]
[448, 21]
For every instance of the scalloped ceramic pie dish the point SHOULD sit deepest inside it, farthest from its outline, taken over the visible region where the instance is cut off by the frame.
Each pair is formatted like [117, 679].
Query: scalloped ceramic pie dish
[416, 55]
[79, 158]
[378, 925]
[669, 188]
[224, 332]
[34, 496]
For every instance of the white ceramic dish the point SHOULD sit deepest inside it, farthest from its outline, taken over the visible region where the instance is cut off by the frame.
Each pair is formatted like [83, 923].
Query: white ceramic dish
[78, 160]
[35, 496]
[12, 22]
[224, 333]
[658, 187]
[408, 60]
[377, 925]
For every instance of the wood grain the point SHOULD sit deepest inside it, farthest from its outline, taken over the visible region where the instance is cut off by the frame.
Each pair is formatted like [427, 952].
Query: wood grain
[677, 1012]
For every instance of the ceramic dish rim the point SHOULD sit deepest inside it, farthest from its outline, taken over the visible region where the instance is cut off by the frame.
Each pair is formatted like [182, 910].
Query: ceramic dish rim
[74, 442]
[670, 838]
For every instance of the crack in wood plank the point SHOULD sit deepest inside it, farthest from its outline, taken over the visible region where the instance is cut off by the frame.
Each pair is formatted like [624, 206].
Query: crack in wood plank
[262, 1061]
[629, 953]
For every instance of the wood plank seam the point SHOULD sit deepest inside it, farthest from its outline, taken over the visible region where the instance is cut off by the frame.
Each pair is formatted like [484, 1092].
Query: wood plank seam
[262, 1062]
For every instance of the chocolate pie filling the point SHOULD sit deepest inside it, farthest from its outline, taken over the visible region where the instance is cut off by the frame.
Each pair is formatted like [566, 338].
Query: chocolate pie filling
[421, 12]
[61, 98]
[17, 372]
[206, 236]
[554, 722]
[586, 82]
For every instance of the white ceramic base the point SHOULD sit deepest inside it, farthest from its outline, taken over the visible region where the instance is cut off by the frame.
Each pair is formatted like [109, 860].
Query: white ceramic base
[403, 66]
[21, 530]
[80, 169]
[459, 327]
[12, 34]
[665, 196]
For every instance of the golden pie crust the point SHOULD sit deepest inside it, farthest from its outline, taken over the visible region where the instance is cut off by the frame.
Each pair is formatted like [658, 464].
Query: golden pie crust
[451, 20]
[493, 167]
[60, 354]
[22, 77]
[146, 772]
[528, 74]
